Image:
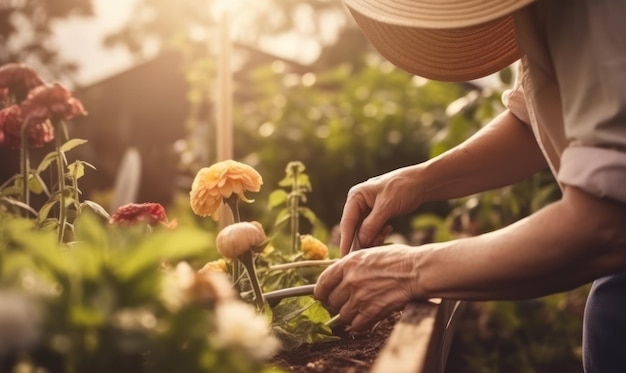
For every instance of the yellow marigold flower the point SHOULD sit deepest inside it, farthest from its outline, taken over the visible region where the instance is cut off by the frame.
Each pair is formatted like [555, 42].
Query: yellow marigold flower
[218, 265]
[312, 248]
[237, 238]
[212, 184]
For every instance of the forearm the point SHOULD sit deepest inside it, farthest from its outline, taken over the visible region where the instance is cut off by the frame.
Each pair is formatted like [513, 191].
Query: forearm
[566, 244]
[502, 153]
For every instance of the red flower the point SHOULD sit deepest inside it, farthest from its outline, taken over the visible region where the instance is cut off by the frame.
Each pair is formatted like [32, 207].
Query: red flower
[11, 122]
[18, 79]
[52, 101]
[132, 213]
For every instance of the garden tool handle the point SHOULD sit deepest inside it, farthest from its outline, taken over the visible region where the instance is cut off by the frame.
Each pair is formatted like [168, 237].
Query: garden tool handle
[274, 297]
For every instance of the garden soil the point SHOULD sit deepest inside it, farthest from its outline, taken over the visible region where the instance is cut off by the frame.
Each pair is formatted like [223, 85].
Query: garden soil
[353, 353]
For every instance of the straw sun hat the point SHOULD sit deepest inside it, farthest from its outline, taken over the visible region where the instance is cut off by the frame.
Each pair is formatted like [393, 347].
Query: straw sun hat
[447, 40]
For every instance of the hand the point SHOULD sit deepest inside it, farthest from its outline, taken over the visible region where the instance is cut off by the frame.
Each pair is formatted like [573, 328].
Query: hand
[368, 285]
[371, 204]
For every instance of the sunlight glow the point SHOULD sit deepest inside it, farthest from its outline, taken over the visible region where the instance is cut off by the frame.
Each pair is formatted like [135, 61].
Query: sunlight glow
[221, 7]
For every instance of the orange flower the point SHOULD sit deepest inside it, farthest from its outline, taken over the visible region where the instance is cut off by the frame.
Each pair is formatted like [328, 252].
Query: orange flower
[312, 248]
[223, 179]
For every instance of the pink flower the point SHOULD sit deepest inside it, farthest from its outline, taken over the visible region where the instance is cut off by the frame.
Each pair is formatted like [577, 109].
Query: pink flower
[132, 213]
[18, 79]
[52, 101]
[11, 122]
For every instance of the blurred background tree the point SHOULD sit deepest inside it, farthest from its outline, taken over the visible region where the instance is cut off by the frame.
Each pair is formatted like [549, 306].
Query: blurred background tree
[26, 33]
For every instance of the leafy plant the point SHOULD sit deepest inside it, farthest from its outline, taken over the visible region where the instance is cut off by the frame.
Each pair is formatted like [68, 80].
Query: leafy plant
[83, 290]
[266, 268]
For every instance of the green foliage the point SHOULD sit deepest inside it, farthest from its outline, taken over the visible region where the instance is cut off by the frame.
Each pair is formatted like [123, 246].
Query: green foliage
[101, 297]
[281, 265]
[345, 123]
[290, 208]
[531, 336]
[301, 320]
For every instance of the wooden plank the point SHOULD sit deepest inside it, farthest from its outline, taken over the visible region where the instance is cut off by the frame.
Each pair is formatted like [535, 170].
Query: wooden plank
[420, 341]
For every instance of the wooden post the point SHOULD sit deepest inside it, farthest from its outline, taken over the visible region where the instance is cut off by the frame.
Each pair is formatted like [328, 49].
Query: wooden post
[224, 104]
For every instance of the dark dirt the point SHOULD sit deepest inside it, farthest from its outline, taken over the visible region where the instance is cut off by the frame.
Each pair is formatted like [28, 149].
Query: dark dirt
[353, 353]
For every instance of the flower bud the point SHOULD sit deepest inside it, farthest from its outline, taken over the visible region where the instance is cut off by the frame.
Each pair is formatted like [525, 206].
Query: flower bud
[312, 248]
[237, 238]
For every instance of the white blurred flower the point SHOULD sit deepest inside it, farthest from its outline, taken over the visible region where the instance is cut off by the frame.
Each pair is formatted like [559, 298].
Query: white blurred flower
[18, 323]
[239, 326]
[184, 285]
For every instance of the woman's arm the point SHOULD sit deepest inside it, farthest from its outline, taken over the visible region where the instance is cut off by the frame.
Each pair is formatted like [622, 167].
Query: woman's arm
[502, 153]
[566, 244]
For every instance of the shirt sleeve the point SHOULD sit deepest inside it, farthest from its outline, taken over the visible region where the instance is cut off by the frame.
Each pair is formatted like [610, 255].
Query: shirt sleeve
[514, 99]
[592, 76]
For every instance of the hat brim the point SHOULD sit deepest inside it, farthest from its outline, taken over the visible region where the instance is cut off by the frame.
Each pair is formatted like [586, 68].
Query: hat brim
[452, 55]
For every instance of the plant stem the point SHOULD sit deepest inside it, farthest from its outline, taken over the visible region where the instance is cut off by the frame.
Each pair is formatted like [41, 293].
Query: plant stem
[295, 216]
[334, 321]
[25, 163]
[61, 179]
[248, 262]
[233, 204]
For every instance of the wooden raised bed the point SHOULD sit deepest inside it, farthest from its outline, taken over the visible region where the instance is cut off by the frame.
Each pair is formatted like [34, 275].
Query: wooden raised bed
[417, 340]
[420, 341]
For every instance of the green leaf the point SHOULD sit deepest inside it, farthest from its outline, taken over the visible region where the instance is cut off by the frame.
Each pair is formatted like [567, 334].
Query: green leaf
[282, 218]
[71, 144]
[19, 204]
[163, 245]
[76, 169]
[293, 167]
[96, 208]
[290, 308]
[276, 198]
[42, 246]
[44, 211]
[40, 184]
[304, 182]
[46, 161]
[91, 230]
[13, 179]
[35, 185]
[308, 214]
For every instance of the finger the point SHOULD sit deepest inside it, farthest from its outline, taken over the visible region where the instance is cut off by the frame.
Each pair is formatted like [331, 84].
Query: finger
[354, 210]
[366, 316]
[337, 299]
[382, 236]
[348, 312]
[374, 227]
[328, 281]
